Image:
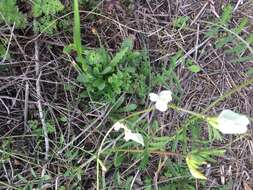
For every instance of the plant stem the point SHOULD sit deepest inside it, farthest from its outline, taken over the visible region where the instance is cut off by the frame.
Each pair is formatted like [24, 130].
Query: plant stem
[201, 116]
[163, 153]
[229, 93]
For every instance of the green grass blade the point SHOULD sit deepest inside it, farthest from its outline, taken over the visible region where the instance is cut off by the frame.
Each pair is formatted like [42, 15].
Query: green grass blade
[77, 34]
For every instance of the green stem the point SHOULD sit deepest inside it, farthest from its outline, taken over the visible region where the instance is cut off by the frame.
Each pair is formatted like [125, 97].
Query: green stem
[238, 88]
[77, 36]
[164, 153]
[137, 113]
[201, 116]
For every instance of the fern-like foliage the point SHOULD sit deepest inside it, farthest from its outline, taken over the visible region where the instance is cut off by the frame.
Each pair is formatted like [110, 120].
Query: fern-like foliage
[10, 14]
[235, 42]
[47, 7]
[45, 10]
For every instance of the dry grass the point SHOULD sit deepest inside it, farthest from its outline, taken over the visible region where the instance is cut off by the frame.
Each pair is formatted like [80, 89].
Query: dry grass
[84, 124]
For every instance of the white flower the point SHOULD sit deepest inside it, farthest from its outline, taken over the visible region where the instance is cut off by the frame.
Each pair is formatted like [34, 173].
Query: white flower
[137, 137]
[117, 126]
[161, 100]
[229, 122]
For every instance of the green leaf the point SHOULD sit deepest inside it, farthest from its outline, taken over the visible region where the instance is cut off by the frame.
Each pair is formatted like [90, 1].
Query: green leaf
[128, 108]
[3, 52]
[243, 23]
[50, 128]
[100, 84]
[194, 68]
[81, 78]
[196, 158]
[84, 94]
[243, 59]
[237, 49]
[107, 70]
[145, 159]
[118, 57]
[226, 15]
[193, 169]
[118, 103]
[118, 159]
[223, 41]
[47, 7]
[212, 31]
[37, 9]
[180, 22]
[127, 43]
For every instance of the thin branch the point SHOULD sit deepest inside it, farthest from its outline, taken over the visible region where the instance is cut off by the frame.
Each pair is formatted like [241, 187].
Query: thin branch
[39, 105]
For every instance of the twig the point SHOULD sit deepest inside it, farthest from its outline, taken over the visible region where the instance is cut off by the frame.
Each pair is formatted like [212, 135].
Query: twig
[199, 14]
[26, 104]
[155, 179]
[39, 105]
[239, 2]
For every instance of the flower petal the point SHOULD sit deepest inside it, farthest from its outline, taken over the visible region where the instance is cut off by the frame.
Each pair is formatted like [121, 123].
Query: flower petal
[153, 97]
[161, 105]
[230, 122]
[165, 95]
[137, 137]
[117, 126]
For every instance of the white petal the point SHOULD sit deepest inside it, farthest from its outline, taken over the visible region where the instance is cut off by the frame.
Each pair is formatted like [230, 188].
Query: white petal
[233, 129]
[117, 126]
[161, 105]
[153, 97]
[137, 137]
[165, 95]
[230, 122]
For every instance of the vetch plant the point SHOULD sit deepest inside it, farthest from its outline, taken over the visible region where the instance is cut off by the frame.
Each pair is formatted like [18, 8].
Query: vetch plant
[229, 122]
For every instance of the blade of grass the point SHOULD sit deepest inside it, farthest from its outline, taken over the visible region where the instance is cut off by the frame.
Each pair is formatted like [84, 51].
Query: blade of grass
[77, 36]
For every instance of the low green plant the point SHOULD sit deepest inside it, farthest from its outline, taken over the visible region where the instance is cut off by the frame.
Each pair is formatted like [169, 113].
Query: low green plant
[10, 14]
[44, 11]
[180, 22]
[178, 173]
[38, 131]
[237, 44]
[168, 77]
[106, 76]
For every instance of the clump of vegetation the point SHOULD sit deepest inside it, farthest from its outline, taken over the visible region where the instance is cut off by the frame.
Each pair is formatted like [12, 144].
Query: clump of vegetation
[10, 14]
[237, 44]
[104, 76]
[107, 77]
[45, 11]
